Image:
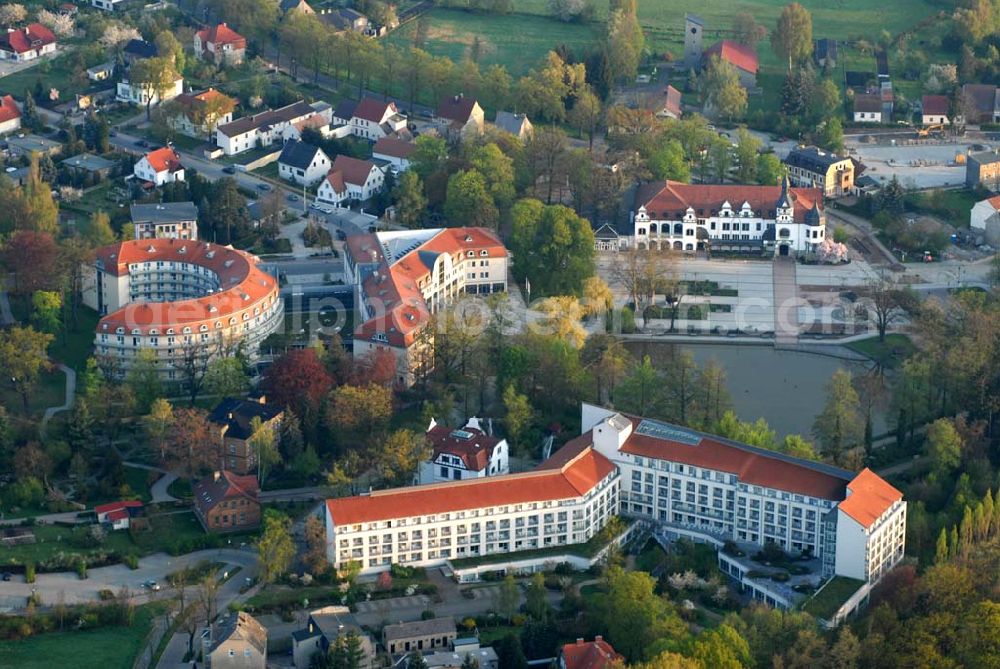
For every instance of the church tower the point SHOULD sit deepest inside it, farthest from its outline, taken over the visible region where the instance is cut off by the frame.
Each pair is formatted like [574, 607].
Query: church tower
[694, 26]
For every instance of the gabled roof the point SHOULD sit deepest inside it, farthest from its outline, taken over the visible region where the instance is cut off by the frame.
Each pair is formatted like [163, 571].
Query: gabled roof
[935, 104]
[672, 101]
[115, 506]
[237, 414]
[286, 114]
[511, 122]
[456, 108]
[164, 212]
[220, 486]
[336, 181]
[472, 445]
[812, 158]
[21, 40]
[345, 109]
[374, 110]
[300, 5]
[869, 497]
[354, 170]
[164, 160]
[9, 109]
[992, 201]
[739, 55]
[596, 654]
[140, 48]
[668, 200]
[867, 102]
[575, 478]
[396, 148]
[419, 628]
[191, 102]
[222, 34]
[298, 154]
[243, 628]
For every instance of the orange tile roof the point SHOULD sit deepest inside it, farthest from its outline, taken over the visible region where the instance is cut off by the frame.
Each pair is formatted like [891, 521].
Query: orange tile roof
[31, 37]
[475, 451]
[995, 202]
[237, 272]
[667, 200]
[870, 496]
[596, 654]
[740, 55]
[753, 465]
[576, 478]
[222, 34]
[397, 148]
[165, 160]
[354, 170]
[8, 109]
[373, 110]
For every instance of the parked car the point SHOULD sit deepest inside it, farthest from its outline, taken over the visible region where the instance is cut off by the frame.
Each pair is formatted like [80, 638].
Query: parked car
[151, 585]
[341, 235]
[229, 169]
[264, 187]
[142, 143]
[7, 576]
[293, 198]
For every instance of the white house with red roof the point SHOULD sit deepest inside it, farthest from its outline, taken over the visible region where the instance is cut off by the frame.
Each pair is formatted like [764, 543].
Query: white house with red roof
[350, 179]
[10, 115]
[935, 110]
[779, 220]
[118, 514]
[395, 152]
[402, 277]
[741, 56]
[596, 654]
[220, 44]
[985, 216]
[466, 453]
[159, 167]
[28, 43]
[370, 118]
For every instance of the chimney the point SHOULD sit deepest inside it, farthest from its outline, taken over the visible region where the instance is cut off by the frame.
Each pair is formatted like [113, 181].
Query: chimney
[216, 476]
[579, 641]
[598, 638]
[229, 415]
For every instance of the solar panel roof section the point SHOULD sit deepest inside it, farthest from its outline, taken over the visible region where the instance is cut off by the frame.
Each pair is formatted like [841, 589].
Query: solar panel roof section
[654, 428]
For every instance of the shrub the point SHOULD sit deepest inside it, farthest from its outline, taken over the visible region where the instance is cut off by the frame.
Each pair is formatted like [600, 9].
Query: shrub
[81, 569]
[105, 595]
[780, 577]
[517, 620]
[29, 572]
[427, 614]
[131, 561]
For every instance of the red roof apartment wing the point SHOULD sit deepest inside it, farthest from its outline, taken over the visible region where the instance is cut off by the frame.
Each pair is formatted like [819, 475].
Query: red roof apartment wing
[870, 497]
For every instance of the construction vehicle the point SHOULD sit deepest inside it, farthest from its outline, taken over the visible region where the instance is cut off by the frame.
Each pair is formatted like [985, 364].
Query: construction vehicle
[937, 129]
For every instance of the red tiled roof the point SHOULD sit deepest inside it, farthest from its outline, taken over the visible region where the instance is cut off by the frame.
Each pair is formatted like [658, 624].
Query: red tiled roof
[994, 202]
[740, 55]
[33, 36]
[237, 272]
[165, 160]
[870, 496]
[114, 506]
[209, 491]
[935, 104]
[354, 170]
[672, 101]
[373, 110]
[336, 180]
[8, 109]
[117, 514]
[574, 479]
[596, 654]
[664, 200]
[865, 102]
[456, 108]
[222, 34]
[397, 148]
[475, 451]
[753, 466]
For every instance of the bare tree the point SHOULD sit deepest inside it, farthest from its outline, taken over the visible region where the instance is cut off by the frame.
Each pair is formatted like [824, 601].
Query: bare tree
[644, 273]
[886, 301]
[208, 598]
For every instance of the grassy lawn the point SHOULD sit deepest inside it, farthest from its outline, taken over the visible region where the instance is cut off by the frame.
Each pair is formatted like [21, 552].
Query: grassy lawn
[96, 198]
[889, 353]
[105, 648]
[269, 171]
[73, 348]
[55, 73]
[279, 596]
[50, 391]
[951, 205]
[489, 635]
[832, 597]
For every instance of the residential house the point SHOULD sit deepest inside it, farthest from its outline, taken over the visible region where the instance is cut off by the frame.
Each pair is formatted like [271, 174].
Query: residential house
[165, 220]
[420, 636]
[370, 118]
[323, 627]
[287, 6]
[344, 18]
[888, 99]
[28, 144]
[811, 167]
[10, 115]
[234, 419]
[68, 9]
[87, 163]
[670, 104]
[402, 277]
[825, 52]
[867, 108]
[101, 72]
[983, 169]
[985, 216]
[741, 56]
[866, 185]
[238, 642]
[980, 103]
[351, 179]
[461, 116]
[607, 238]
[596, 654]
[516, 124]
[199, 114]
[162, 166]
[220, 44]
[138, 49]
[463, 652]
[261, 129]
[107, 5]
[770, 220]
[395, 152]
[463, 454]
[144, 94]
[315, 122]
[28, 43]
[302, 163]
[934, 110]
[118, 514]
[227, 502]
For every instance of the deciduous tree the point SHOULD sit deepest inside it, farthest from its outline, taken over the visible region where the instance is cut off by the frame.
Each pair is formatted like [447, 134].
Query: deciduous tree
[23, 359]
[275, 548]
[792, 39]
[840, 427]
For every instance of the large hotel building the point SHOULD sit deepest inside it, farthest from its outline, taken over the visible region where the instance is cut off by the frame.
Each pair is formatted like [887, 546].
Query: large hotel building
[180, 299]
[672, 479]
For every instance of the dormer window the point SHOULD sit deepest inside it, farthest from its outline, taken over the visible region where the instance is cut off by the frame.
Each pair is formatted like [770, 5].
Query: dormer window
[471, 254]
[484, 253]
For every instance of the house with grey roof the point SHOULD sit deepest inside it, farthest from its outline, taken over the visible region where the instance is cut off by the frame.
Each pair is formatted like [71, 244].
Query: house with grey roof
[165, 220]
[302, 163]
[88, 163]
[238, 642]
[514, 123]
[421, 635]
[323, 628]
[812, 167]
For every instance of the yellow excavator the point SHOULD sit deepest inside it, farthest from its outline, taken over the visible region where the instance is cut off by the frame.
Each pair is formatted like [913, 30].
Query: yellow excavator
[937, 129]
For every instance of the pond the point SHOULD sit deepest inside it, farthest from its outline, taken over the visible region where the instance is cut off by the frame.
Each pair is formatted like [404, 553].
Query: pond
[785, 388]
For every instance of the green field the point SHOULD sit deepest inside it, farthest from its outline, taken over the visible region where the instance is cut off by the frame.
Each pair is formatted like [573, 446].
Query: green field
[105, 648]
[889, 353]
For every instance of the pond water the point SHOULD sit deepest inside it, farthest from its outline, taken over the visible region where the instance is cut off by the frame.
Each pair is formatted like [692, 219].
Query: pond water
[785, 388]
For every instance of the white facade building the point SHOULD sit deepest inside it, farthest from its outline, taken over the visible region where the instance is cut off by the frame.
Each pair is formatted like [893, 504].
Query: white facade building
[165, 220]
[778, 220]
[264, 129]
[466, 453]
[159, 167]
[302, 163]
[140, 94]
[369, 119]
